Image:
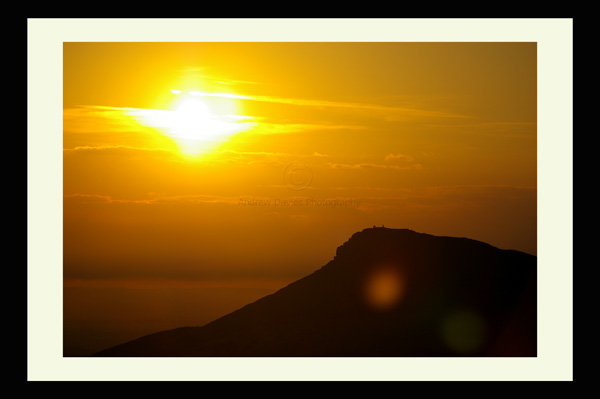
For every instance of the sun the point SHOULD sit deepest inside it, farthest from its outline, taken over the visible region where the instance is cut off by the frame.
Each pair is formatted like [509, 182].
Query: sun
[197, 122]
[193, 120]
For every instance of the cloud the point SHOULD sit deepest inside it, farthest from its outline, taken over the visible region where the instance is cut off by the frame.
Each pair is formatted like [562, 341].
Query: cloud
[400, 157]
[190, 199]
[366, 165]
[256, 157]
[266, 282]
[112, 147]
[222, 95]
[199, 72]
[86, 119]
[281, 128]
[404, 111]
[504, 129]
[109, 120]
[111, 153]
[447, 199]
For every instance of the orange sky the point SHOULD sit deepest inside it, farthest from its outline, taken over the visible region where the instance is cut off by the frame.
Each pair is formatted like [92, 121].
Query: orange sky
[204, 175]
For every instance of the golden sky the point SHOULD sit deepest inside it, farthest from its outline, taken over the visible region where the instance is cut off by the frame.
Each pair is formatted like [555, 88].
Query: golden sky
[242, 166]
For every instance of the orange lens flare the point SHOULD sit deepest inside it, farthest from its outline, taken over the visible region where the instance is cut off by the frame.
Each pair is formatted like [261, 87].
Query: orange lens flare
[384, 288]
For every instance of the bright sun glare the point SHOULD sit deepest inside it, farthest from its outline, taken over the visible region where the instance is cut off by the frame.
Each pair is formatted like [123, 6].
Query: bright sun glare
[193, 120]
[193, 124]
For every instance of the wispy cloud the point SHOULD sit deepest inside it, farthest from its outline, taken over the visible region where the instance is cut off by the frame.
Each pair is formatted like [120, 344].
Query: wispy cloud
[334, 104]
[98, 119]
[206, 199]
[201, 73]
[504, 129]
[282, 128]
[366, 165]
[267, 282]
[113, 147]
[399, 157]
[92, 119]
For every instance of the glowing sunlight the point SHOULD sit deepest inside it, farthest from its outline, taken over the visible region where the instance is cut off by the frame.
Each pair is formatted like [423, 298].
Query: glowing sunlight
[194, 124]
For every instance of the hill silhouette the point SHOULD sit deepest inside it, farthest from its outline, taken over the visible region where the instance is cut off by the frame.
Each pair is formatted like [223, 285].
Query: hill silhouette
[387, 292]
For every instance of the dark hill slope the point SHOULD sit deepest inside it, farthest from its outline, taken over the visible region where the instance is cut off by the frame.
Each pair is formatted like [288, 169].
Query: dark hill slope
[387, 292]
